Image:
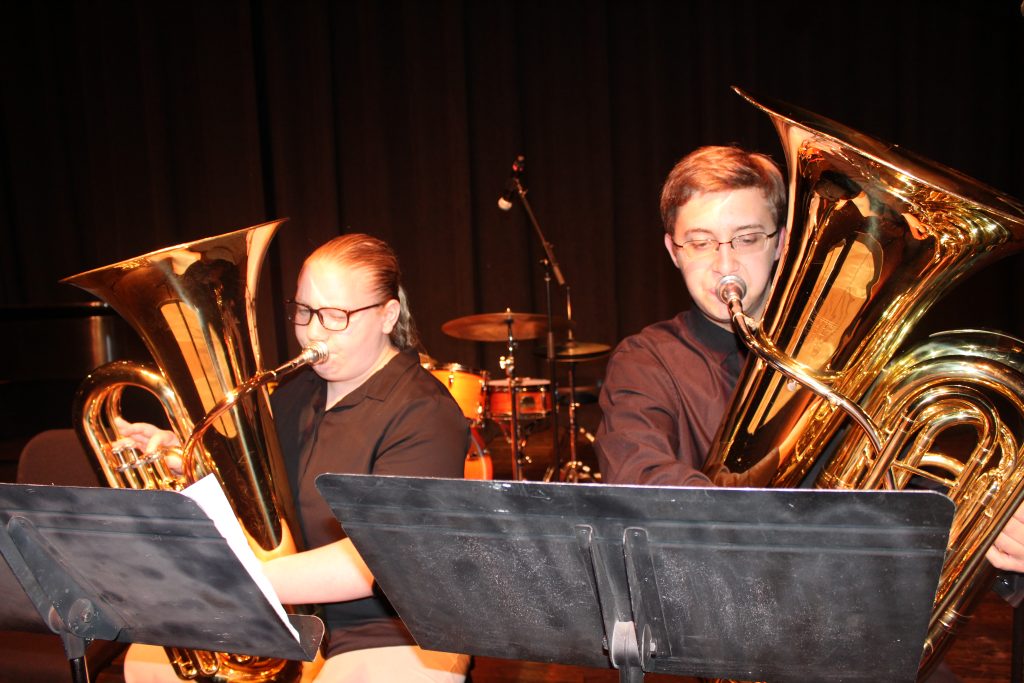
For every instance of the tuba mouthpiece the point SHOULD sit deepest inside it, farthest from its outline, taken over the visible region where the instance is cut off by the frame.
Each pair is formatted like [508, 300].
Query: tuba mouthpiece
[731, 288]
[315, 353]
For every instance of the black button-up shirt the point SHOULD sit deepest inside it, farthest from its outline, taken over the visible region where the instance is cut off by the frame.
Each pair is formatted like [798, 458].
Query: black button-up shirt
[665, 393]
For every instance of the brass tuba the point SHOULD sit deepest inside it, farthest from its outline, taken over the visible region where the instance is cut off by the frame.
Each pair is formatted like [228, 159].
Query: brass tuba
[875, 236]
[193, 306]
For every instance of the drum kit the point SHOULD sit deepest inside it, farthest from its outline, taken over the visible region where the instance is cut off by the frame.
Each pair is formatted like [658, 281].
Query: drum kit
[516, 404]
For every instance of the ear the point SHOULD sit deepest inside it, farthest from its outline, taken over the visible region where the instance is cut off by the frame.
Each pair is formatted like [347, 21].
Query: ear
[671, 248]
[391, 311]
[781, 244]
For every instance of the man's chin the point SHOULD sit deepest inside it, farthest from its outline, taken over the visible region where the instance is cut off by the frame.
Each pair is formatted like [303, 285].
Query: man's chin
[719, 317]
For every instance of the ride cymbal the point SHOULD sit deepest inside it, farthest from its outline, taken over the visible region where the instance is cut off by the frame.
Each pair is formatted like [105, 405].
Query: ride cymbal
[494, 327]
[574, 351]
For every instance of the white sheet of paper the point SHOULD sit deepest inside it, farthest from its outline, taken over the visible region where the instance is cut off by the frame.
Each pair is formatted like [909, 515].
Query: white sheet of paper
[208, 495]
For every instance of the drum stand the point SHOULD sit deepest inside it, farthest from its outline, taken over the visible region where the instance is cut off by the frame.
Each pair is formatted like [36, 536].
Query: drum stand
[572, 352]
[508, 364]
[574, 470]
[571, 470]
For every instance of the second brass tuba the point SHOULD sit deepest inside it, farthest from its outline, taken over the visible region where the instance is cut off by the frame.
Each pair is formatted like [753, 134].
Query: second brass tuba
[193, 305]
[875, 237]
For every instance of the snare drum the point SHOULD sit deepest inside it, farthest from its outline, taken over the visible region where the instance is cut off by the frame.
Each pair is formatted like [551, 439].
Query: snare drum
[533, 399]
[466, 385]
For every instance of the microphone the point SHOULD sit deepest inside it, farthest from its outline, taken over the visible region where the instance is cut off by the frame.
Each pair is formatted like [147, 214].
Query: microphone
[512, 186]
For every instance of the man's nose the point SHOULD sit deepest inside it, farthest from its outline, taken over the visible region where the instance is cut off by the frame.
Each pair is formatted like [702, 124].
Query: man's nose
[725, 258]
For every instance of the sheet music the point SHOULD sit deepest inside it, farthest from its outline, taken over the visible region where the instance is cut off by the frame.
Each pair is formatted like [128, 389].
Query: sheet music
[208, 495]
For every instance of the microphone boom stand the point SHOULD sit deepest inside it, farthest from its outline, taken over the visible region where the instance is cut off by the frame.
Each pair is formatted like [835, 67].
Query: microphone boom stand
[551, 268]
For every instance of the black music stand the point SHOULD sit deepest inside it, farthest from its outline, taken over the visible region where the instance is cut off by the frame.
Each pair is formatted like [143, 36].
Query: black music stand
[136, 567]
[779, 585]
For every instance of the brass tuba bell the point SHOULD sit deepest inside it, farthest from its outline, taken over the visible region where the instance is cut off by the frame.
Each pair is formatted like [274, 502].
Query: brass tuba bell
[875, 236]
[193, 307]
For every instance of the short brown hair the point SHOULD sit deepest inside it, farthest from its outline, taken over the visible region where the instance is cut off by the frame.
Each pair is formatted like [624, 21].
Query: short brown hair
[376, 256]
[719, 169]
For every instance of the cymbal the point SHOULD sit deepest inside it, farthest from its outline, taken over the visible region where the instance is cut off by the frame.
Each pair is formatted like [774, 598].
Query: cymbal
[574, 351]
[494, 327]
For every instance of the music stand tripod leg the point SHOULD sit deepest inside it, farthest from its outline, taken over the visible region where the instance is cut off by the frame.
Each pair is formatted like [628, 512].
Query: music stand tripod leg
[74, 649]
[1010, 587]
[618, 611]
[49, 580]
[1017, 646]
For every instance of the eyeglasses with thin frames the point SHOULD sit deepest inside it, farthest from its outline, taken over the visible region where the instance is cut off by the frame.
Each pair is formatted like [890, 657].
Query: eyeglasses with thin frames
[747, 243]
[332, 319]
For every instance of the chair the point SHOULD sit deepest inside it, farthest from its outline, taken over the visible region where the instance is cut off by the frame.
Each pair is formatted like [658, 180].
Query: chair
[29, 651]
[56, 457]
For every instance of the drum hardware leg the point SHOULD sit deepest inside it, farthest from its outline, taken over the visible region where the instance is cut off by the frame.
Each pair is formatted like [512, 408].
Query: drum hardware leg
[570, 471]
[521, 458]
[551, 268]
[508, 364]
[518, 444]
[576, 470]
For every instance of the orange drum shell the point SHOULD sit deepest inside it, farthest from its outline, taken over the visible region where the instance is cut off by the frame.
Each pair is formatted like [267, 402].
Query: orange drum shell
[466, 386]
[534, 399]
[478, 463]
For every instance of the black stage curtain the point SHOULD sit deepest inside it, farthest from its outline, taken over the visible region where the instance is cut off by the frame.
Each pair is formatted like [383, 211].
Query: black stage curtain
[129, 126]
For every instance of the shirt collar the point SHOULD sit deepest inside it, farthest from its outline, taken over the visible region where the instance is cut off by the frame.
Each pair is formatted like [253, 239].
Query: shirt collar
[381, 383]
[720, 342]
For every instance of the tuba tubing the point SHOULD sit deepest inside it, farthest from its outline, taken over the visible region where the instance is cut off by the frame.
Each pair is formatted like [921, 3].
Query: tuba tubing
[731, 290]
[875, 236]
[314, 354]
[193, 305]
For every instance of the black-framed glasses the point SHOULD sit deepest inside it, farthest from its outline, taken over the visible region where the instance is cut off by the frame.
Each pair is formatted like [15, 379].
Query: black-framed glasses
[747, 243]
[333, 319]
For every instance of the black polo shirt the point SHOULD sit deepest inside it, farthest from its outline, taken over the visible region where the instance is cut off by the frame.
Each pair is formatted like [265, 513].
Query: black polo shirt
[400, 421]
